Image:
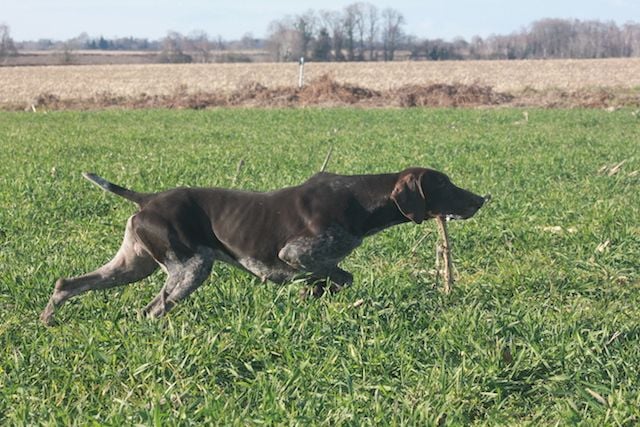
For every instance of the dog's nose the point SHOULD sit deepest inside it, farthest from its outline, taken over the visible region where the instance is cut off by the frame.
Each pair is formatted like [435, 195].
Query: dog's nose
[480, 200]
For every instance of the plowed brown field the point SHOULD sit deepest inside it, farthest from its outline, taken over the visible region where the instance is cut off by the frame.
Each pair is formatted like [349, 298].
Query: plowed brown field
[591, 83]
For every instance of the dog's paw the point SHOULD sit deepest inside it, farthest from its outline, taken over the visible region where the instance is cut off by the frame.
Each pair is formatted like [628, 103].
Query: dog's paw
[47, 315]
[312, 292]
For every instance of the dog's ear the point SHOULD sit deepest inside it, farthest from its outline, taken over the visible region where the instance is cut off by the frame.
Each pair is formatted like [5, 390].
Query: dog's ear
[409, 198]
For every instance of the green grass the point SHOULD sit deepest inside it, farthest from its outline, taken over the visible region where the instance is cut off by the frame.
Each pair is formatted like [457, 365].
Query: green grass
[541, 326]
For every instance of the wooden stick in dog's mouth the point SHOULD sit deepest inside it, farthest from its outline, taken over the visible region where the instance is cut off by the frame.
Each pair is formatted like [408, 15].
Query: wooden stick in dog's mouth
[443, 250]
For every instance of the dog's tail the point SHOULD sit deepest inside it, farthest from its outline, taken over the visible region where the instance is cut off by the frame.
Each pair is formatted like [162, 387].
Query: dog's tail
[139, 198]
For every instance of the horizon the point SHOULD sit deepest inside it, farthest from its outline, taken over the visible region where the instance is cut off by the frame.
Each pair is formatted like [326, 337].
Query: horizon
[144, 18]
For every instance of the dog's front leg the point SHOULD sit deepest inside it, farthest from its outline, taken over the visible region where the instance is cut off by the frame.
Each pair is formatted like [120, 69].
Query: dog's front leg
[334, 281]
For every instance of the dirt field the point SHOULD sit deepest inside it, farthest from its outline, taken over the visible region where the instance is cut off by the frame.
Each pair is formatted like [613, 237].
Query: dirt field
[590, 83]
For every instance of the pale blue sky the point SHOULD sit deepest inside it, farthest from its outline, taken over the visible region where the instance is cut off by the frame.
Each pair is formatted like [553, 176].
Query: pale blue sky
[63, 19]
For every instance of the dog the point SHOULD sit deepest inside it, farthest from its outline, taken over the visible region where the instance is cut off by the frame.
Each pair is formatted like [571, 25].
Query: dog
[301, 231]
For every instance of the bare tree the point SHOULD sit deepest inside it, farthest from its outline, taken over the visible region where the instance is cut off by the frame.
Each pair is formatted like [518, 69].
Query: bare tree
[392, 22]
[219, 43]
[7, 46]
[476, 48]
[65, 56]
[198, 42]
[276, 41]
[357, 14]
[172, 49]
[349, 23]
[283, 41]
[78, 42]
[372, 18]
[631, 39]
[305, 25]
[249, 41]
[292, 37]
[332, 20]
[364, 17]
[550, 38]
[321, 46]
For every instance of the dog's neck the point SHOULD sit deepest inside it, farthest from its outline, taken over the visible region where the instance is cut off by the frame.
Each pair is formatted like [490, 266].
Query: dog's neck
[382, 210]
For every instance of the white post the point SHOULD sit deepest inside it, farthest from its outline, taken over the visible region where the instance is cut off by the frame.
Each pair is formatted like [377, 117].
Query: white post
[301, 76]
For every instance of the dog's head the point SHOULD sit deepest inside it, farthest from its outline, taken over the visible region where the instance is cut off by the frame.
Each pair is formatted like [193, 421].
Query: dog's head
[426, 193]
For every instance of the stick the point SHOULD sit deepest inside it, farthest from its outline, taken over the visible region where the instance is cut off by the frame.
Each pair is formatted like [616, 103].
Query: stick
[415, 247]
[444, 250]
[438, 256]
[235, 178]
[616, 168]
[326, 159]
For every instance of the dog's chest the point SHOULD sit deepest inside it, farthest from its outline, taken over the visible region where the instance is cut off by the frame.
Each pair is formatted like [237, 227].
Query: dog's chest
[318, 254]
[328, 247]
[322, 252]
[263, 270]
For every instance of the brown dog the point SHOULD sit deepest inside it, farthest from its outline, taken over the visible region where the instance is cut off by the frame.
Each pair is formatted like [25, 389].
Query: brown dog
[304, 230]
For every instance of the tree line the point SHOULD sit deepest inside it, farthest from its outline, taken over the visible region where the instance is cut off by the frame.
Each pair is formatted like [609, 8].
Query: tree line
[546, 38]
[359, 32]
[362, 32]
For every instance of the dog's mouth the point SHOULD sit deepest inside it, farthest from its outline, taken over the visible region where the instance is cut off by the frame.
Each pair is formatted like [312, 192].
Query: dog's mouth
[468, 213]
[451, 217]
[448, 217]
[455, 216]
[462, 213]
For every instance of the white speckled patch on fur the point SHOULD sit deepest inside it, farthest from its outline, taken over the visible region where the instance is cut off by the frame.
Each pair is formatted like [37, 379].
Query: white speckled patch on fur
[320, 252]
[265, 272]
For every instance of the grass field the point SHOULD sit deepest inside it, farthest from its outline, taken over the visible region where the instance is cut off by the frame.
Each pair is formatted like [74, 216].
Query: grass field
[543, 326]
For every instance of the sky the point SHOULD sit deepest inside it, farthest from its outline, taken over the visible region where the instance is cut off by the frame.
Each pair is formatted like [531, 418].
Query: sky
[447, 19]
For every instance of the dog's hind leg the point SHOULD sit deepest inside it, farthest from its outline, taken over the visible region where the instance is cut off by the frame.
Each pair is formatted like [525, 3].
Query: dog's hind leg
[184, 277]
[130, 264]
